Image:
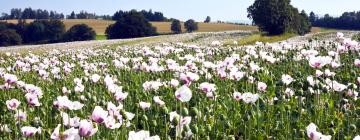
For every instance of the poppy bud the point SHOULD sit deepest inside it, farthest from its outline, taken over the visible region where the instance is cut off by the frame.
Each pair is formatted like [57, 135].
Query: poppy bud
[186, 127]
[227, 125]
[207, 109]
[208, 127]
[194, 111]
[176, 120]
[183, 133]
[153, 123]
[231, 137]
[165, 110]
[144, 117]
[352, 127]
[94, 98]
[123, 114]
[194, 129]
[332, 131]
[222, 117]
[184, 111]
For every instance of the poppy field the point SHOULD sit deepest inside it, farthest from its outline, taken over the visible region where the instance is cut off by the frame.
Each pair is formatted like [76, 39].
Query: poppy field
[288, 90]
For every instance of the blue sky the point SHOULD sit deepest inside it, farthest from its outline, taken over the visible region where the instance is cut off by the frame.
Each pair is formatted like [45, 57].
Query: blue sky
[225, 10]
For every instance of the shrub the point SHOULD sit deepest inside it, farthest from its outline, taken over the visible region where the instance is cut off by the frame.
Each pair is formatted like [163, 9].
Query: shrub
[54, 29]
[80, 32]
[191, 25]
[9, 37]
[133, 24]
[176, 26]
[44, 31]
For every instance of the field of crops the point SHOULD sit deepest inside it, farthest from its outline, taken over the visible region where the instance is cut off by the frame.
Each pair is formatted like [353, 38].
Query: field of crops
[162, 27]
[289, 90]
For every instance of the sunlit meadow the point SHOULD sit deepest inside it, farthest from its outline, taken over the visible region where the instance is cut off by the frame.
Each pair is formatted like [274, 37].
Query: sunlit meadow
[179, 91]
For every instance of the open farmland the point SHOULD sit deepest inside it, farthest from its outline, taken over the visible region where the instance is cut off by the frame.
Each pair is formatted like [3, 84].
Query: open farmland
[183, 87]
[162, 27]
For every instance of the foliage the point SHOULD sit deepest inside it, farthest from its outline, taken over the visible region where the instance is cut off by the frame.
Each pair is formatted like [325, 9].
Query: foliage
[303, 25]
[133, 24]
[277, 17]
[80, 32]
[191, 25]
[176, 26]
[44, 31]
[208, 19]
[29, 13]
[72, 15]
[9, 37]
[348, 20]
[149, 15]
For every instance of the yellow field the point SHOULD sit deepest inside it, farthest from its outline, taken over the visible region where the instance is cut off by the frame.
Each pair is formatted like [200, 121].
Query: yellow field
[162, 27]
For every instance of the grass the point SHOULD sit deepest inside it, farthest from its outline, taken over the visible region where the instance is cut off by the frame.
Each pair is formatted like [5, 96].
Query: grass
[100, 37]
[258, 37]
[322, 30]
[162, 27]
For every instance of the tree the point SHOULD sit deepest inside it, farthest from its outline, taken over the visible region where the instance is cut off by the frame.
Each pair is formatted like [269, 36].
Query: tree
[28, 13]
[72, 15]
[15, 13]
[208, 19]
[54, 30]
[133, 24]
[149, 15]
[118, 15]
[176, 26]
[312, 17]
[191, 25]
[80, 32]
[275, 16]
[9, 37]
[4, 16]
[305, 24]
[44, 31]
[272, 16]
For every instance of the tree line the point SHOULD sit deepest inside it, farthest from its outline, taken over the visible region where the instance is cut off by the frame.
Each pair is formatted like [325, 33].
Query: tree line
[29, 13]
[86, 15]
[148, 15]
[42, 31]
[348, 21]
